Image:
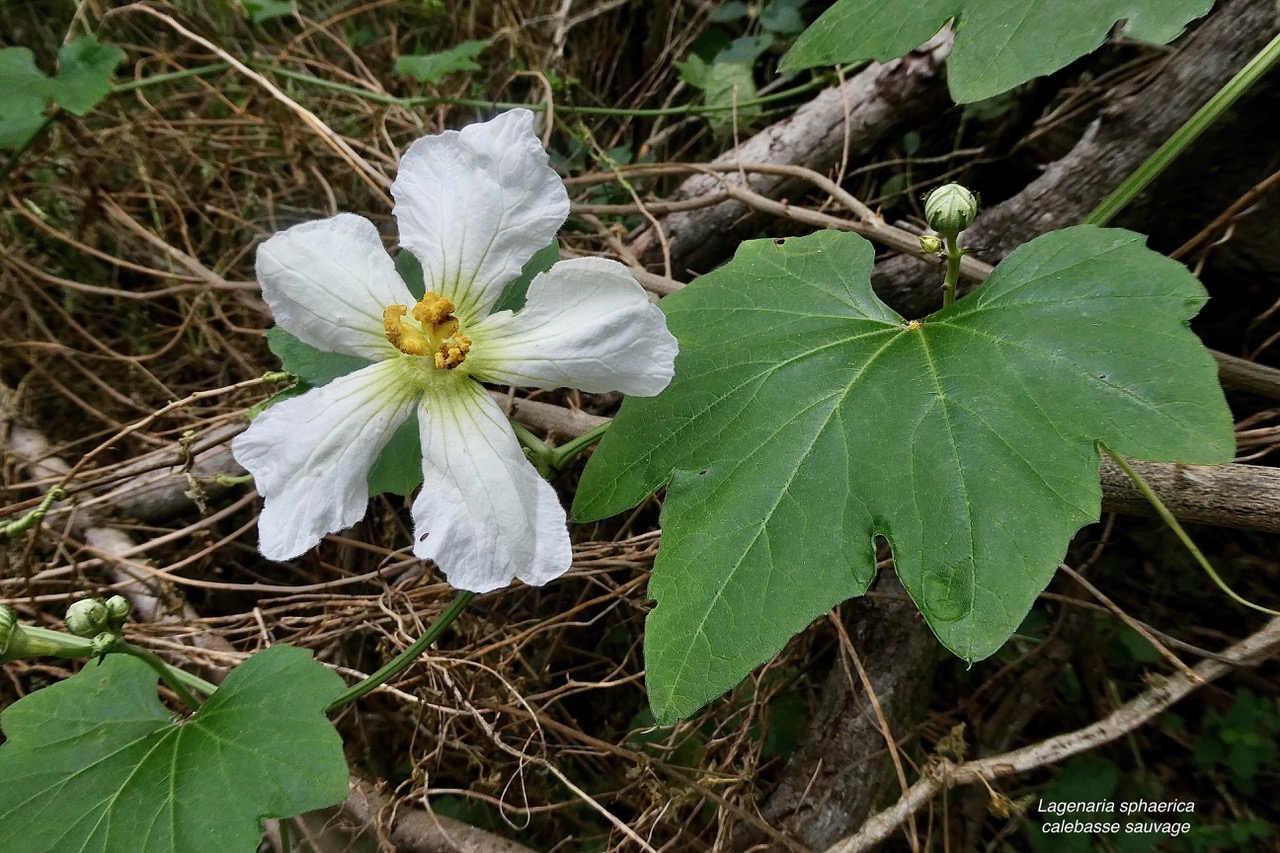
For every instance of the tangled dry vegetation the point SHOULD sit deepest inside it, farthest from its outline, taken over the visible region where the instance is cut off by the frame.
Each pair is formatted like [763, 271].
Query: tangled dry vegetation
[132, 349]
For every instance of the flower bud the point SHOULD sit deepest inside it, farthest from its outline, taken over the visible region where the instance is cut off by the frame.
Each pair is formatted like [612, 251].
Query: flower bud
[931, 243]
[103, 643]
[87, 617]
[949, 209]
[118, 608]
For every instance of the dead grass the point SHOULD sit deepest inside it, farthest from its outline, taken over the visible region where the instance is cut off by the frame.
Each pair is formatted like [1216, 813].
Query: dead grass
[126, 246]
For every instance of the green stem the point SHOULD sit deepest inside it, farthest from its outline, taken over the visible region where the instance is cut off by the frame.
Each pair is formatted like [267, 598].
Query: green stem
[157, 79]
[29, 641]
[1185, 135]
[954, 254]
[539, 453]
[402, 661]
[176, 679]
[30, 520]
[1167, 518]
[565, 453]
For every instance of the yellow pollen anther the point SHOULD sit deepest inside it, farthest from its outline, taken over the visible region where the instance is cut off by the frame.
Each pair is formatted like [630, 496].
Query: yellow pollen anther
[453, 352]
[433, 309]
[402, 335]
[913, 325]
[435, 334]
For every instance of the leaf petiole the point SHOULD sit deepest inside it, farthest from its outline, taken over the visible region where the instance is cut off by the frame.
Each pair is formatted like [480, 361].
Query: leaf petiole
[1183, 536]
[402, 661]
[565, 453]
[179, 681]
[954, 254]
[538, 451]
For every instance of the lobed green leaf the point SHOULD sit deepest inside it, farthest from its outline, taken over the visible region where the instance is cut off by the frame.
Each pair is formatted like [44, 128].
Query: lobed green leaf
[434, 67]
[807, 418]
[999, 44]
[96, 764]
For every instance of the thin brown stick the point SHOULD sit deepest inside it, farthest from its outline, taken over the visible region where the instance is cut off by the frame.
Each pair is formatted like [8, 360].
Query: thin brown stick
[944, 774]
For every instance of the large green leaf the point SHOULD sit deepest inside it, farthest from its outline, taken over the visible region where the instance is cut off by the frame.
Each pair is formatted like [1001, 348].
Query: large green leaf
[807, 418]
[998, 43]
[96, 763]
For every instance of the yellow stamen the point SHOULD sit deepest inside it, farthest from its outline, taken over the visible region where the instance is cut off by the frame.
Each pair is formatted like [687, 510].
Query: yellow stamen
[912, 325]
[435, 333]
[433, 309]
[402, 335]
[453, 352]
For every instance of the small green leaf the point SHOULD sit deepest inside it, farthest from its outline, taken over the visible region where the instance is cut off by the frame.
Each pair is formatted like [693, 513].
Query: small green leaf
[745, 50]
[783, 17]
[265, 10]
[96, 764]
[85, 67]
[398, 469]
[734, 10]
[998, 44]
[24, 91]
[313, 366]
[434, 67]
[513, 295]
[806, 418]
[695, 71]
[727, 81]
[82, 82]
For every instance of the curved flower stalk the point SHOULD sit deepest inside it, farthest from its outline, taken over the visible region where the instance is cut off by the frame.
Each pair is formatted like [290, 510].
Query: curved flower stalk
[473, 206]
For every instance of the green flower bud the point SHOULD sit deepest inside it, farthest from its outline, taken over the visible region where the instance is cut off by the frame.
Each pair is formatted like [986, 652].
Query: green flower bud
[8, 627]
[949, 209]
[103, 643]
[118, 608]
[931, 243]
[87, 617]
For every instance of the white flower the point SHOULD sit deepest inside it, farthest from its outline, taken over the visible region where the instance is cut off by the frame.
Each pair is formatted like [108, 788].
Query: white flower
[473, 206]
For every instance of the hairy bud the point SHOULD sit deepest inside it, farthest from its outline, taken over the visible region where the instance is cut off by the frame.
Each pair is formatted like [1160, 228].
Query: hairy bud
[87, 617]
[949, 209]
[118, 609]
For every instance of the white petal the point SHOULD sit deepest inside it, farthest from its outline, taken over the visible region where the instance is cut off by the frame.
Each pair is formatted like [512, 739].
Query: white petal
[484, 515]
[327, 283]
[310, 456]
[475, 205]
[587, 324]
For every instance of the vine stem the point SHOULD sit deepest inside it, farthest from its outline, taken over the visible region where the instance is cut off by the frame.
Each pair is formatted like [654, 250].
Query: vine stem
[402, 661]
[34, 641]
[1185, 135]
[1183, 536]
[564, 454]
[178, 681]
[954, 254]
[536, 449]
